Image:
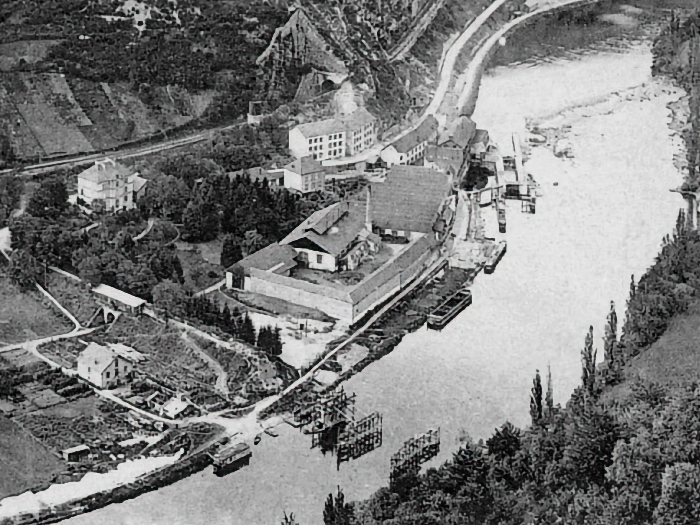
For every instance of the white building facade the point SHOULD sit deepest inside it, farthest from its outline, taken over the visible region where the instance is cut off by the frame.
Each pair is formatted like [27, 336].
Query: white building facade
[336, 137]
[110, 183]
[102, 367]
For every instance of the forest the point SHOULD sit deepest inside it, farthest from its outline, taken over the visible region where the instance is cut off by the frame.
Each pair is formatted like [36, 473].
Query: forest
[622, 451]
[195, 192]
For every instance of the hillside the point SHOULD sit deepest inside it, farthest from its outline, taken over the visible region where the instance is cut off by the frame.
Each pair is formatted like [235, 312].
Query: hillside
[87, 75]
[90, 75]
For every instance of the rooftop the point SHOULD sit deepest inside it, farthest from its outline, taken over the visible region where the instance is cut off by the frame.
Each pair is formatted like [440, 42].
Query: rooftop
[275, 257]
[174, 407]
[257, 173]
[357, 119]
[96, 356]
[333, 228]
[127, 352]
[422, 133]
[105, 170]
[354, 121]
[321, 127]
[305, 165]
[118, 295]
[138, 182]
[409, 199]
[461, 131]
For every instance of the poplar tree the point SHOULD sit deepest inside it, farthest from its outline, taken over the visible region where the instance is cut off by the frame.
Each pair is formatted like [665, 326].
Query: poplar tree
[549, 396]
[588, 358]
[536, 399]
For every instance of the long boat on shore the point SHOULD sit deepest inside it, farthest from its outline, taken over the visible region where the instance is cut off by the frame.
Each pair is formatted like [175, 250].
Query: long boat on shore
[231, 458]
[495, 257]
[449, 308]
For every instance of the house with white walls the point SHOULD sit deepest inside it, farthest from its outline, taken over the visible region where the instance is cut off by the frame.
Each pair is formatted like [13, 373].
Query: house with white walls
[340, 136]
[113, 185]
[411, 148]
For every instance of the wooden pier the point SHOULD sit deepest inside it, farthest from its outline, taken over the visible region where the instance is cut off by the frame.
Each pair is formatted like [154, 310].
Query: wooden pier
[414, 453]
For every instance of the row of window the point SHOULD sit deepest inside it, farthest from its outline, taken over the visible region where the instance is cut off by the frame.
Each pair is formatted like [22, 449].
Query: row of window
[317, 140]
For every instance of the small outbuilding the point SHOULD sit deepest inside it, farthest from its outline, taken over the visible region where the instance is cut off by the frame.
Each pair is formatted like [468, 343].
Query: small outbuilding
[76, 454]
[118, 300]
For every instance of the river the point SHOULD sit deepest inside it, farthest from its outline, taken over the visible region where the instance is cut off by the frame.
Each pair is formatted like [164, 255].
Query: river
[603, 222]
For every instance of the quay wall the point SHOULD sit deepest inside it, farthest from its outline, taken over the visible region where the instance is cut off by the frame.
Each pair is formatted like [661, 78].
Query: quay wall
[470, 92]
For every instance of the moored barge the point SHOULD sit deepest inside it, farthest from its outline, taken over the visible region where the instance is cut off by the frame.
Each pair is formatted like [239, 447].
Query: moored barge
[449, 308]
[230, 458]
[495, 257]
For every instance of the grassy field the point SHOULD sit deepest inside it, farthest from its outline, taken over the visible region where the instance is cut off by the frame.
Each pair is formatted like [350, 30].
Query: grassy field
[673, 359]
[26, 316]
[199, 274]
[74, 296]
[25, 463]
[29, 51]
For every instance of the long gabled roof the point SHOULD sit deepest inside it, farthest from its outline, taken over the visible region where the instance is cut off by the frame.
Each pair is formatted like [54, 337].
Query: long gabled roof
[118, 295]
[422, 133]
[275, 257]
[321, 127]
[352, 122]
[409, 199]
[333, 228]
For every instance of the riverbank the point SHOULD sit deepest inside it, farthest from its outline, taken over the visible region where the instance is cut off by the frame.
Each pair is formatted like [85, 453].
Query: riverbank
[477, 372]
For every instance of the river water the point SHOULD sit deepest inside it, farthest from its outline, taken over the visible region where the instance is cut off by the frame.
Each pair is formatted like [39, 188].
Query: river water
[603, 222]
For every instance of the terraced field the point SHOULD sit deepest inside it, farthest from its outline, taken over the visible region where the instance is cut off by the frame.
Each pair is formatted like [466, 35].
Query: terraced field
[45, 114]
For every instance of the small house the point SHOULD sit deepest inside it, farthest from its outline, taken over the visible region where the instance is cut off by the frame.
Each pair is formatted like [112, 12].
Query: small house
[304, 175]
[177, 407]
[114, 185]
[118, 300]
[410, 148]
[76, 454]
[102, 367]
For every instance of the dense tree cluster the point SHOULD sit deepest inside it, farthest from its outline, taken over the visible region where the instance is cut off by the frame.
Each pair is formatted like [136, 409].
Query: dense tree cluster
[52, 233]
[186, 45]
[665, 289]
[677, 54]
[10, 191]
[175, 301]
[199, 191]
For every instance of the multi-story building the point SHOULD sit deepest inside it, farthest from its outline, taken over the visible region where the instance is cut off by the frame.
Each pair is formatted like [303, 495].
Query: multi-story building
[411, 148]
[113, 184]
[336, 137]
[102, 367]
[452, 144]
[304, 175]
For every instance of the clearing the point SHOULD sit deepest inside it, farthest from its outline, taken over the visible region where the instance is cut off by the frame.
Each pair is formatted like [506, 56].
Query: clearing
[199, 274]
[26, 316]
